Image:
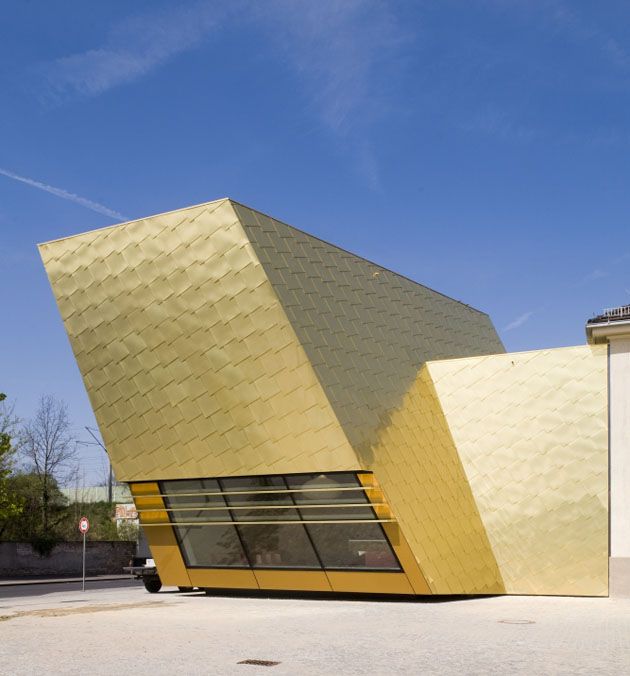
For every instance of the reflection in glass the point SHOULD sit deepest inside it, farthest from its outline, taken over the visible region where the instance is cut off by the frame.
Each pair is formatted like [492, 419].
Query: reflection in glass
[314, 483]
[190, 486]
[311, 513]
[253, 483]
[353, 546]
[211, 546]
[206, 505]
[278, 546]
[259, 501]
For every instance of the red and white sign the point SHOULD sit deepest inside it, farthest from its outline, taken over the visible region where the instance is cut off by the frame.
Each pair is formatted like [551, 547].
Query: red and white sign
[84, 525]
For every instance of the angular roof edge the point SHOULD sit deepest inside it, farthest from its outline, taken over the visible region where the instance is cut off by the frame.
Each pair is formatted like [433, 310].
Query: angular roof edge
[288, 225]
[135, 220]
[367, 260]
[506, 355]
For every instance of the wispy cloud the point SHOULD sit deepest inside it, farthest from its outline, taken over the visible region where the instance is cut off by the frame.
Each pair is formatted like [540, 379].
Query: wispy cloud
[339, 49]
[64, 194]
[519, 321]
[343, 54]
[593, 275]
[497, 123]
[567, 19]
[621, 259]
[133, 48]
[336, 48]
[346, 57]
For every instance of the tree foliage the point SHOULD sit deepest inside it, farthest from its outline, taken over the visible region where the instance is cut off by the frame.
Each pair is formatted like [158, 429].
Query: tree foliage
[63, 516]
[32, 506]
[27, 525]
[10, 504]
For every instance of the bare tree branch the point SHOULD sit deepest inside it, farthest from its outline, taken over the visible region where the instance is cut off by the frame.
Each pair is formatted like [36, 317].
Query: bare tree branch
[48, 446]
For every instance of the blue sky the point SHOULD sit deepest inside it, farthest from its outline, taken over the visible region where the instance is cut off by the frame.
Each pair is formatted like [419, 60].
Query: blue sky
[478, 147]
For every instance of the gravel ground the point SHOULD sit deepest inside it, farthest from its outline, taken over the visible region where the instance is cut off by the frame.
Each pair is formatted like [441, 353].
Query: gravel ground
[128, 631]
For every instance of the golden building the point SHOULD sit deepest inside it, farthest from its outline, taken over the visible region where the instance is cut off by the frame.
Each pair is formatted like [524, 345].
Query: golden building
[291, 416]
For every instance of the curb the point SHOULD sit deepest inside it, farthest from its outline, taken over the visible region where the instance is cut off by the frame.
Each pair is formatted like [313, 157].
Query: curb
[60, 580]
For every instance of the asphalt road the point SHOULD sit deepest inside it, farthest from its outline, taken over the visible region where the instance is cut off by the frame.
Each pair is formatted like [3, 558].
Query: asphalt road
[42, 589]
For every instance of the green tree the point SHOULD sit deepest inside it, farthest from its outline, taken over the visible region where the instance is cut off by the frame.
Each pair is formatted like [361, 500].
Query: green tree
[27, 525]
[10, 504]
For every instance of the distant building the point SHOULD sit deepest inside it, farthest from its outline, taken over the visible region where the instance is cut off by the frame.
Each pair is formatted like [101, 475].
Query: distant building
[291, 416]
[120, 494]
[125, 509]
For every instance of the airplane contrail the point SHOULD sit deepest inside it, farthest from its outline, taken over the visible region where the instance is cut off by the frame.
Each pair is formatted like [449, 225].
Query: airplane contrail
[64, 194]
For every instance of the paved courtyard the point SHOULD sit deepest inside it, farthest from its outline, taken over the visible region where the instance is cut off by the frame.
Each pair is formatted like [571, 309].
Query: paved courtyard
[128, 631]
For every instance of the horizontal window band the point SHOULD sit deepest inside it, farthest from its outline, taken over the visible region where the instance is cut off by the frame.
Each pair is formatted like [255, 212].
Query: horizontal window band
[332, 489]
[261, 523]
[223, 508]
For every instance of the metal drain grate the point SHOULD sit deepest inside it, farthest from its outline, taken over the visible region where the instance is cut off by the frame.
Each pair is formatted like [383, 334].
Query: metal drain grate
[259, 663]
[516, 622]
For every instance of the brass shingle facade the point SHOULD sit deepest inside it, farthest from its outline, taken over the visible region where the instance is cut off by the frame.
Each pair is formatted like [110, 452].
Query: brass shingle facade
[215, 341]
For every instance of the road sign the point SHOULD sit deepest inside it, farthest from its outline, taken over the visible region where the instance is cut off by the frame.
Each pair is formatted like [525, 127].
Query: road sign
[84, 527]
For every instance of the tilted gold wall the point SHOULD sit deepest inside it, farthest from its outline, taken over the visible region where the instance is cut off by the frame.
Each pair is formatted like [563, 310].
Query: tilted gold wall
[367, 331]
[530, 430]
[201, 360]
[188, 358]
[422, 477]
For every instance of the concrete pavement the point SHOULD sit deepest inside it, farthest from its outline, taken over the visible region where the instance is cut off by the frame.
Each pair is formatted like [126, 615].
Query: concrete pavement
[112, 631]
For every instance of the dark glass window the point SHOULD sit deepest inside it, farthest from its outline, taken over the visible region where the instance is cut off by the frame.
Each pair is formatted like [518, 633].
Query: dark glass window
[314, 496]
[269, 545]
[278, 546]
[344, 488]
[355, 546]
[243, 521]
[265, 504]
[211, 547]
[253, 483]
[185, 507]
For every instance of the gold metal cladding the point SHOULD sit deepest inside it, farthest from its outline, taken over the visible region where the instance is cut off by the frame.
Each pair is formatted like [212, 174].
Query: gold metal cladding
[419, 471]
[366, 331]
[161, 540]
[216, 341]
[188, 357]
[369, 583]
[299, 580]
[222, 578]
[531, 432]
[295, 580]
[395, 537]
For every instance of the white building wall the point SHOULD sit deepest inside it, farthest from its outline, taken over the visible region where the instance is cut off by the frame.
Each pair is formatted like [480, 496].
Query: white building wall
[619, 402]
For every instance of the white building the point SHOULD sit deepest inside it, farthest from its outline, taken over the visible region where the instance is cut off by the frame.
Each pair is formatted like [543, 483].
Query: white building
[613, 328]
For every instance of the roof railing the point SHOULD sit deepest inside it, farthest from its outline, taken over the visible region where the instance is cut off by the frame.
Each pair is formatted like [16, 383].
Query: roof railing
[622, 312]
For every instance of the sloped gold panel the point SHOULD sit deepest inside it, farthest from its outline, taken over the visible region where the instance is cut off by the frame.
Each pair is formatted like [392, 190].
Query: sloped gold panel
[419, 470]
[161, 539]
[366, 330]
[531, 432]
[189, 360]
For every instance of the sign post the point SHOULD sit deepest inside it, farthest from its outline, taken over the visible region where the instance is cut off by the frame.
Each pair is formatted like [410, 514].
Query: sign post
[84, 526]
